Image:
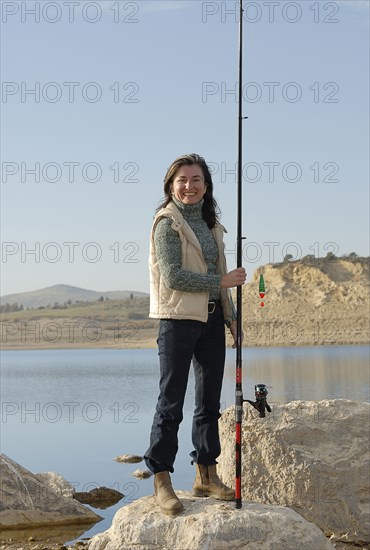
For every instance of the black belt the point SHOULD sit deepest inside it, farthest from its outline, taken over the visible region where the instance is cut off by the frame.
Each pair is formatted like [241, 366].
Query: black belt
[212, 306]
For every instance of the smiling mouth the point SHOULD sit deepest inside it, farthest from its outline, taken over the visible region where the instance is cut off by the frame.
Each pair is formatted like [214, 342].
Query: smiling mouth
[189, 194]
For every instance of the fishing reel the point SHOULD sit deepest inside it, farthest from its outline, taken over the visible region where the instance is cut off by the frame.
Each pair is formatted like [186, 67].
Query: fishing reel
[260, 392]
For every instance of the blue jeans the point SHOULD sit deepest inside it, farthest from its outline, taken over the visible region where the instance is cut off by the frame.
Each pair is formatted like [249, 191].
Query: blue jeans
[179, 343]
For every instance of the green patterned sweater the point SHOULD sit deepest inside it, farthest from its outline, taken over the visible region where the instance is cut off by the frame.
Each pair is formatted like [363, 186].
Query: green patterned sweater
[168, 252]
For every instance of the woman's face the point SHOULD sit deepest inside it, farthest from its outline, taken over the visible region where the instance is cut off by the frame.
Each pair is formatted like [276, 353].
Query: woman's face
[188, 184]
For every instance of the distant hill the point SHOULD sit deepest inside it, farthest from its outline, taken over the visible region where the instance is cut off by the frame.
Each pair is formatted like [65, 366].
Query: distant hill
[63, 293]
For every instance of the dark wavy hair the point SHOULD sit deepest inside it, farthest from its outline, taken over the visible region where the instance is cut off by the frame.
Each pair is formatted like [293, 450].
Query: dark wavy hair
[210, 209]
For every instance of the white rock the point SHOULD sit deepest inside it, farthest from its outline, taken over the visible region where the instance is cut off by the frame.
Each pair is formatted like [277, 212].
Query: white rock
[310, 456]
[57, 483]
[26, 501]
[129, 459]
[208, 524]
[142, 474]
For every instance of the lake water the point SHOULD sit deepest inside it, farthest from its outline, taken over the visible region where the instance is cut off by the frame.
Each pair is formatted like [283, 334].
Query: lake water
[73, 411]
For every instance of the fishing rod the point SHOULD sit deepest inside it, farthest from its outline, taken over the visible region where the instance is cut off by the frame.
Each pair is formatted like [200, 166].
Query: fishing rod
[260, 389]
[239, 303]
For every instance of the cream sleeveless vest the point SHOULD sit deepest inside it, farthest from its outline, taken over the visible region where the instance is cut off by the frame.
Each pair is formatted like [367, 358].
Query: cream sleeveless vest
[166, 303]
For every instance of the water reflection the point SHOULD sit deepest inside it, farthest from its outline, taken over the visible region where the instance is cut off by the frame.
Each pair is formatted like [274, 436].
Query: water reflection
[304, 373]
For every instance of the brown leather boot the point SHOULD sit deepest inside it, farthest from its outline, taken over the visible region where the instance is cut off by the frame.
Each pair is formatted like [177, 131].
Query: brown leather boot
[208, 484]
[166, 497]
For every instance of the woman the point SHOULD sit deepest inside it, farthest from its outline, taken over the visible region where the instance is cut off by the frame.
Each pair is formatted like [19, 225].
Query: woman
[189, 294]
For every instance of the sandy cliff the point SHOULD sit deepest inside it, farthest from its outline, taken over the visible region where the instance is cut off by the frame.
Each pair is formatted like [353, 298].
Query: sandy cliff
[309, 302]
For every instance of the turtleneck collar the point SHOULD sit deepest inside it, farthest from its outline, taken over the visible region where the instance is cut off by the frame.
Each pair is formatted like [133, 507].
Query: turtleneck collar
[189, 210]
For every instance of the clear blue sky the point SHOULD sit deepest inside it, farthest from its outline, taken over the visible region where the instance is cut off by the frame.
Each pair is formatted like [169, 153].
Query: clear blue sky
[122, 88]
